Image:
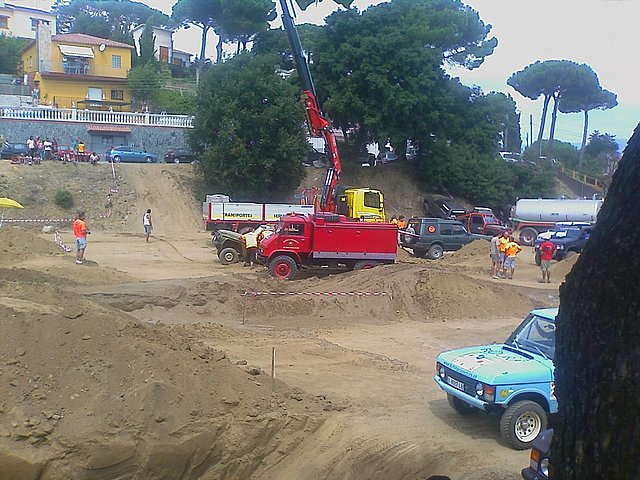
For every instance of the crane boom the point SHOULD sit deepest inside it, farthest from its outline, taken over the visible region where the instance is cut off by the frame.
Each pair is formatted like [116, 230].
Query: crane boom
[317, 123]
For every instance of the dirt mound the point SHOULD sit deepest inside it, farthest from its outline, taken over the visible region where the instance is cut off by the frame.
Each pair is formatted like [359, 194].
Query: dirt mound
[75, 370]
[17, 244]
[562, 268]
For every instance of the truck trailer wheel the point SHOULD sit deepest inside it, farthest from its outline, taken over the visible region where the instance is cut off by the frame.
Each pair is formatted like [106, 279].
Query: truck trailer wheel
[283, 267]
[365, 265]
[435, 251]
[522, 422]
[228, 256]
[528, 236]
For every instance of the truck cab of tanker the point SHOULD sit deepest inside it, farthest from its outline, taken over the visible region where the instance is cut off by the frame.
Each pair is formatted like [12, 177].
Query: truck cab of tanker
[363, 204]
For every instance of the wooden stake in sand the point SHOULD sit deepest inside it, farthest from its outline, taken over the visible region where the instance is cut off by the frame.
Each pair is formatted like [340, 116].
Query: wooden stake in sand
[273, 368]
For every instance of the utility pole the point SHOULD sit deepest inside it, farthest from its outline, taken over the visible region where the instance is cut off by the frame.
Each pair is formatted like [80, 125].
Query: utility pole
[531, 127]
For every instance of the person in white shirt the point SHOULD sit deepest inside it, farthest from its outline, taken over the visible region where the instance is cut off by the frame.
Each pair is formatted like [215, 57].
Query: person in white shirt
[147, 224]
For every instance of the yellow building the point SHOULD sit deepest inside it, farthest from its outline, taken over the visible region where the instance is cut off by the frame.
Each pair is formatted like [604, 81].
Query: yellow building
[75, 70]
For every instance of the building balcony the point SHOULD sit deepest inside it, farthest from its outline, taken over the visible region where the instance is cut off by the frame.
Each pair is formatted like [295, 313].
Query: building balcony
[82, 68]
[95, 116]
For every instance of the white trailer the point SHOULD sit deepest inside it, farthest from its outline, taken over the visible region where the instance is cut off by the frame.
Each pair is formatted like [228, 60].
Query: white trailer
[240, 216]
[533, 216]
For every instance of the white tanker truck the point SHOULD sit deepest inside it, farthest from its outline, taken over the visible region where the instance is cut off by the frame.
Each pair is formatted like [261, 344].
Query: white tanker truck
[533, 216]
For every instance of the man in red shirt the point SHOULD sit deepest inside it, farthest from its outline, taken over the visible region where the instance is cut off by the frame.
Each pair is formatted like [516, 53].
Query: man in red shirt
[80, 231]
[547, 250]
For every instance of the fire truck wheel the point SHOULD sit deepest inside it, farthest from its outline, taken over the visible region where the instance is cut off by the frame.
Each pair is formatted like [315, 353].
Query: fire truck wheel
[228, 256]
[365, 265]
[283, 267]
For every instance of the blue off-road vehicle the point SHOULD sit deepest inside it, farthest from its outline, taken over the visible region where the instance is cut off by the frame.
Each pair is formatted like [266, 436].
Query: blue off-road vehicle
[514, 379]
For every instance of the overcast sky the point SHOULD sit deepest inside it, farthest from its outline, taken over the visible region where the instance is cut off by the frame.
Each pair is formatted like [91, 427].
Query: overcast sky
[600, 33]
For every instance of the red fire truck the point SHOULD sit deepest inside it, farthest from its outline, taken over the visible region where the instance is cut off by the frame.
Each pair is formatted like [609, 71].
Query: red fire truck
[327, 240]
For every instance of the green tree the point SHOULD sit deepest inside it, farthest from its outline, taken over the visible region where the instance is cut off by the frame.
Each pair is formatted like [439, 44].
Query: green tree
[10, 48]
[147, 45]
[597, 359]
[204, 14]
[145, 81]
[249, 126]
[396, 87]
[112, 19]
[242, 20]
[586, 97]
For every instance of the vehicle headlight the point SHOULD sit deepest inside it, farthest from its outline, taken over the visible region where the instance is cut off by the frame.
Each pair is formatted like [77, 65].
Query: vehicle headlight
[441, 372]
[479, 389]
[544, 467]
[560, 247]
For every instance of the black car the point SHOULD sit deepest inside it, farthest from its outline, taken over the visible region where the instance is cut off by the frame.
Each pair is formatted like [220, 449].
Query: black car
[10, 150]
[443, 207]
[179, 155]
[568, 240]
[538, 468]
[433, 236]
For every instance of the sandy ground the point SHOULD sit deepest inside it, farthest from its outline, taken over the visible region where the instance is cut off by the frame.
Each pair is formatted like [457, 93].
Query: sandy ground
[151, 361]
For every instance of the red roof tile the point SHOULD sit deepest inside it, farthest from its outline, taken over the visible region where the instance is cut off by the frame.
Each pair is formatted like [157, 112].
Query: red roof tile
[84, 39]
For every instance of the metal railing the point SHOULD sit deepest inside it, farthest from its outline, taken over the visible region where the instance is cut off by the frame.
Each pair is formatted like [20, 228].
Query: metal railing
[96, 116]
[594, 183]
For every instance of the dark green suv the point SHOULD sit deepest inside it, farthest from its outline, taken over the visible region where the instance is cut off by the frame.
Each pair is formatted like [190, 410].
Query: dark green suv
[434, 236]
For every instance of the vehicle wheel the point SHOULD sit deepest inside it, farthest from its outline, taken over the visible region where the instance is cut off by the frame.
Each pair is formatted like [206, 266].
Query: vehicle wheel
[569, 254]
[228, 256]
[522, 423]
[176, 160]
[435, 252]
[283, 267]
[116, 159]
[419, 252]
[463, 408]
[366, 265]
[148, 160]
[528, 236]
[538, 259]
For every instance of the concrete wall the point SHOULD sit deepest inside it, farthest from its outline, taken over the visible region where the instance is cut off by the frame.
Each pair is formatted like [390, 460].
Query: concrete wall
[156, 139]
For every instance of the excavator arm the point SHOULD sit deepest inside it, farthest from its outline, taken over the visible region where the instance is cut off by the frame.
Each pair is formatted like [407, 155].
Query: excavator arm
[317, 123]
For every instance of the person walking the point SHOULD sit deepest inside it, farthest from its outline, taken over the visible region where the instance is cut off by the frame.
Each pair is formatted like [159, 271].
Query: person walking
[108, 206]
[511, 250]
[80, 232]
[147, 224]
[547, 251]
[494, 253]
[250, 240]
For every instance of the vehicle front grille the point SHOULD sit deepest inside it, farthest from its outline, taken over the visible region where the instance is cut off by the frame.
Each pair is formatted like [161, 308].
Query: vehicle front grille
[469, 383]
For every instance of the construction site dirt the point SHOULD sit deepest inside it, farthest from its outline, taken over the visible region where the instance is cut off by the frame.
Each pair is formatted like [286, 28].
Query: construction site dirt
[153, 360]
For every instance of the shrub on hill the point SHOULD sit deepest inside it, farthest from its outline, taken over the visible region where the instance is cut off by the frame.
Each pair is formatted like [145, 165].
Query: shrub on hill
[64, 199]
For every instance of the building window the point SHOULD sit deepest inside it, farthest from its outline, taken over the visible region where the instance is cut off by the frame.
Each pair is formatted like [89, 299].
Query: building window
[4, 22]
[34, 24]
[116, 61]
[117, 94]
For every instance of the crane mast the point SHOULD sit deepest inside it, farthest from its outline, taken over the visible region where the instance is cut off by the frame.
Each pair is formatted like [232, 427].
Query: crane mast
[318, 125]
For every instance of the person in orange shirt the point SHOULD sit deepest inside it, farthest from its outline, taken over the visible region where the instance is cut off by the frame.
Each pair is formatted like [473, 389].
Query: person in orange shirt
[80, 232]
[511, 250]
[402, 223]
[502, 243]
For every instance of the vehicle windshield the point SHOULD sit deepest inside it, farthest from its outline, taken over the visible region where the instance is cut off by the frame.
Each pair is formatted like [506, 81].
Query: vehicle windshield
[536, 335]
[566, 233]
[491, 219]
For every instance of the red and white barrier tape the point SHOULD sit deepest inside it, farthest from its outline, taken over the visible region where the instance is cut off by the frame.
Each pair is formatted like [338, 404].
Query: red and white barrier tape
[326, 294]
[43, 220]
[37, 220]
[58, 240]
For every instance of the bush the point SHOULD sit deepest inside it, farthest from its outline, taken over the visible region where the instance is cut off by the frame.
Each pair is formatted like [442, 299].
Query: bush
[64, 199]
